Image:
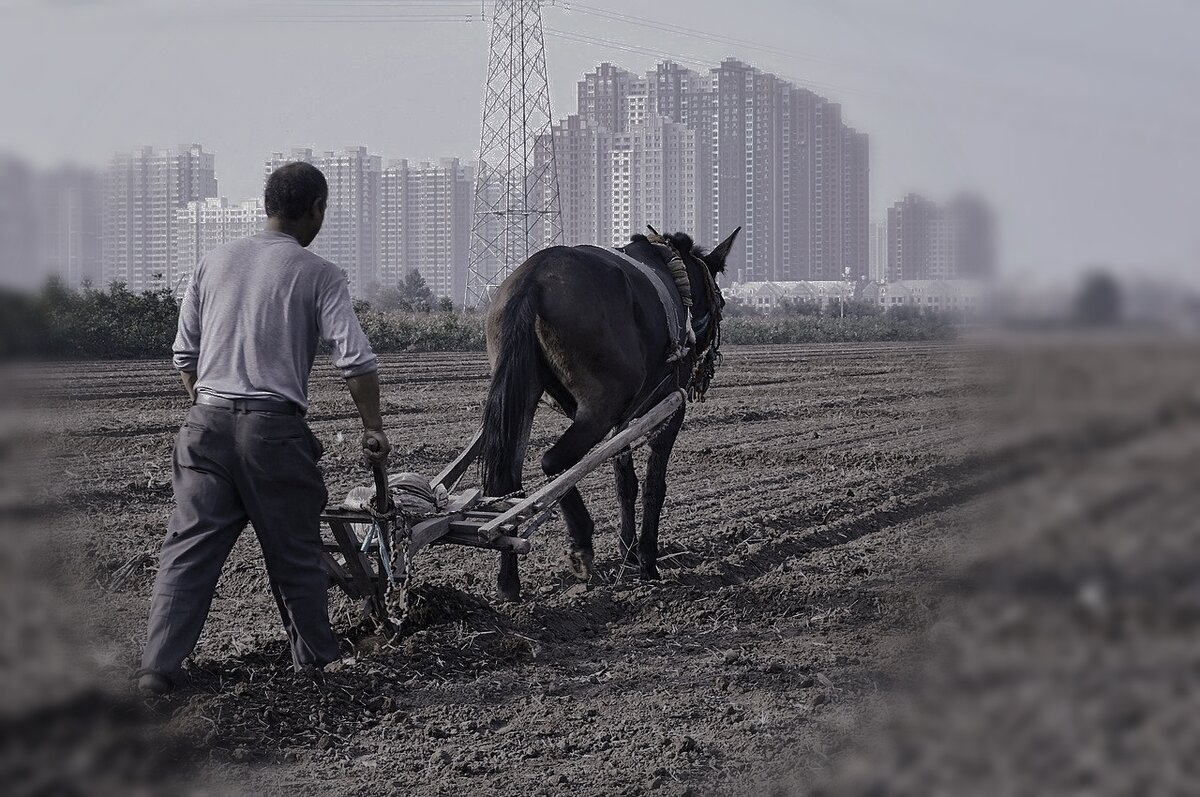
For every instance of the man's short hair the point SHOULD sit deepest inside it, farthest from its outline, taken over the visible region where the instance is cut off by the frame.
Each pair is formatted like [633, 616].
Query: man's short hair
[292, 189]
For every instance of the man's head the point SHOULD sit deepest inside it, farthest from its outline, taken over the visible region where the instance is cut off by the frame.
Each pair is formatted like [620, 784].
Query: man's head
[295, 201]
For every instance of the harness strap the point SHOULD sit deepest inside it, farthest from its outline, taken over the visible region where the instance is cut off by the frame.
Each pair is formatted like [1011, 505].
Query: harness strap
[668, 295]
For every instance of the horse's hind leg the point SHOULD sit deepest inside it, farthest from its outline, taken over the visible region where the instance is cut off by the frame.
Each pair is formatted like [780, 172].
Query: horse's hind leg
[583, 433]
[655, 493]
[627, 493]
[508, 579]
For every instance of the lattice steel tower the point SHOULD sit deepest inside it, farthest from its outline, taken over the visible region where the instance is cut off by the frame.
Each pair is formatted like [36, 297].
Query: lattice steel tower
[516, 189]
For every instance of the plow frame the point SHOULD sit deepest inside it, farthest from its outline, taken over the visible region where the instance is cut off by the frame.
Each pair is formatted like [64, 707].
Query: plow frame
[359, 565]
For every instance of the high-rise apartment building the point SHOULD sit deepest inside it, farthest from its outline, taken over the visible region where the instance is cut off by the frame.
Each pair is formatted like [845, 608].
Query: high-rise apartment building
[937, 242]
[684, 96]
[296, 155]
[142, 191]
[764, 155]
[426, 215]
[652, 179]
[70, 219]
[910, 226]
[678, 93]
[797, 110]
[350, 235]
[790, 172]
[583, 157]
[856, 203]
[349, 238]
[201, 226]
[733, 162]
[602, 96]
[18, 240]
[50, 225]
[974, 237]
[879, 250]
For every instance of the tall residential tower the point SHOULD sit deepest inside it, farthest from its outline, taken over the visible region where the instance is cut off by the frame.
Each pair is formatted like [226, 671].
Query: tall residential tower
[142, 191]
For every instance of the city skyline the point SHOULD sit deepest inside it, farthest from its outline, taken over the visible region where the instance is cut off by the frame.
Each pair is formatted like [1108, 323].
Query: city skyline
[684, 151]
[1018, 106]
[420, 214]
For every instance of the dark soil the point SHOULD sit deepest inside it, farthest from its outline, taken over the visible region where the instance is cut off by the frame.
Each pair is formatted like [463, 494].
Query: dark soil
[872, 559]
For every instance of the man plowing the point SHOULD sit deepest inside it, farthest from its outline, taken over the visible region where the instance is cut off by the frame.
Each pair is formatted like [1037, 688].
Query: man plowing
[249, 327]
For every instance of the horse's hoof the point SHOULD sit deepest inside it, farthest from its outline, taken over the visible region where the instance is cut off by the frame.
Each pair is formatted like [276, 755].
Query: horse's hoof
[508, 595]
[581, 564]
[631, 559]
[650, 573]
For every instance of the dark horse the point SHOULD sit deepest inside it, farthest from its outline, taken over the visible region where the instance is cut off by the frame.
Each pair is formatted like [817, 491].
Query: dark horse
[590, 331]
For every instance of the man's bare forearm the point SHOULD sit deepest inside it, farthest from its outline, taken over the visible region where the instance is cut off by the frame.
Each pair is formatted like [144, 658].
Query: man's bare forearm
[364, 389]
[189, 383]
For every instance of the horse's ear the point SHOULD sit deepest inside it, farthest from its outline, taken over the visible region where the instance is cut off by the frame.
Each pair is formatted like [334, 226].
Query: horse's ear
[716, 258]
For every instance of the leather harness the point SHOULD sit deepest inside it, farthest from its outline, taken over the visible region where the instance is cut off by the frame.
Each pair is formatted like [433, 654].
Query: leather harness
[668, 295]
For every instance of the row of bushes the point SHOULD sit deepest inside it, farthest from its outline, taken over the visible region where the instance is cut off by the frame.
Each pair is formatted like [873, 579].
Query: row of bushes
[88, 324]
[850, 308]
[399, 331]
[764, 330]
[117, 323]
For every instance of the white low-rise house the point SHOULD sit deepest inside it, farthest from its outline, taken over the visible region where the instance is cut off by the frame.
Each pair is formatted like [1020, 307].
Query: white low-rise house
[959, 297]
[767, 296]
[966, 298]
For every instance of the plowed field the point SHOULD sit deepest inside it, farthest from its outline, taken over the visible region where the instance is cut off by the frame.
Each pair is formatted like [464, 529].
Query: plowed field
[817, 511]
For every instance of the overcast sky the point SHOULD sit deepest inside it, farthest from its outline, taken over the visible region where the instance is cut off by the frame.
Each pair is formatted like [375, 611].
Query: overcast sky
[1078, 119]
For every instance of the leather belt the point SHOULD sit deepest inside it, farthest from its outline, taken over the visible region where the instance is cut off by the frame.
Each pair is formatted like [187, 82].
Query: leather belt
[250, 405]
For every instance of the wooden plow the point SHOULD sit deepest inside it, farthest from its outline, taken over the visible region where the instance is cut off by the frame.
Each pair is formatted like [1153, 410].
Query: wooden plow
[360, 559]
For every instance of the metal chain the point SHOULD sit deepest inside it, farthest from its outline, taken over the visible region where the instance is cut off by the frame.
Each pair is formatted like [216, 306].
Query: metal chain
[393, 547]
[396, 597]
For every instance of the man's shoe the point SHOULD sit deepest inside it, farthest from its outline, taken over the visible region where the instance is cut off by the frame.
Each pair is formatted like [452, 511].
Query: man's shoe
[153, 684]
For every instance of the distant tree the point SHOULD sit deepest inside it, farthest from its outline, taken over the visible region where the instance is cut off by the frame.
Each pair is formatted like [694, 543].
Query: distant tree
[445, 305]
[385, 299]
[798, 307]
[415, 293]
[861, 308]
[904, 312]
[1098, 302]
[55, 292]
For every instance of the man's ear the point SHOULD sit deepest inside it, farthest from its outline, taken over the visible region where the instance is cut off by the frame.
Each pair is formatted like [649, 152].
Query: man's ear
[716, 258]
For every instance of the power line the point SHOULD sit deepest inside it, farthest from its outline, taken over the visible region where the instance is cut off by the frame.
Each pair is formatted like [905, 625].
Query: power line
[695, 61]
[676, 30]
[1063, 112]
[364, 18]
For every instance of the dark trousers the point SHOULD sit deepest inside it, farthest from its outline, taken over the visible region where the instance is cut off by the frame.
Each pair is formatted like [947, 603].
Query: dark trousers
[231, 467]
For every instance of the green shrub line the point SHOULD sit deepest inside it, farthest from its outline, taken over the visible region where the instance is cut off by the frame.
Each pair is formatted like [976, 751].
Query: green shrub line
[771, 330]
[89, 324]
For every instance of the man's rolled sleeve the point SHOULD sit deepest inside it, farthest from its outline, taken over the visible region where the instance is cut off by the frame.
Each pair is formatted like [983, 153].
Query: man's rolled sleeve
[338, 326]
[186, 349]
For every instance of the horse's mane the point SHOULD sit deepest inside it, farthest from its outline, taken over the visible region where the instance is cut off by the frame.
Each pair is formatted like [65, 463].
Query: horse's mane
[681, 241]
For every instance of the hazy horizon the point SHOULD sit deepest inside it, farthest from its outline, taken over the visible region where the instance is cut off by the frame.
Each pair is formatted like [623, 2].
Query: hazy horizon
[1071, 120]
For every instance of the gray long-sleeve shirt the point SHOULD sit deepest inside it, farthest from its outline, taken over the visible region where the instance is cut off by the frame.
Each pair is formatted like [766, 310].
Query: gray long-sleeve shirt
[254, 314]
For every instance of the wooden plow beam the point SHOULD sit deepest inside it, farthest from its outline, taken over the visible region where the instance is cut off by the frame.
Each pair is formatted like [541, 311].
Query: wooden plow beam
[544, 499]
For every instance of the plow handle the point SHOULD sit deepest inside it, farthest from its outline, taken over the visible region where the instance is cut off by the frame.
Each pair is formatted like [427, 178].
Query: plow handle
[383, 498]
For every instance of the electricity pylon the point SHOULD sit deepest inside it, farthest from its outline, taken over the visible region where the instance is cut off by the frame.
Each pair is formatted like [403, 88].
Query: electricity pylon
[516, 185]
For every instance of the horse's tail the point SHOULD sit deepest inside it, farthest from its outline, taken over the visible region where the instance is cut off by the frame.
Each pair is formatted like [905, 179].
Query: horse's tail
[508, 410]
